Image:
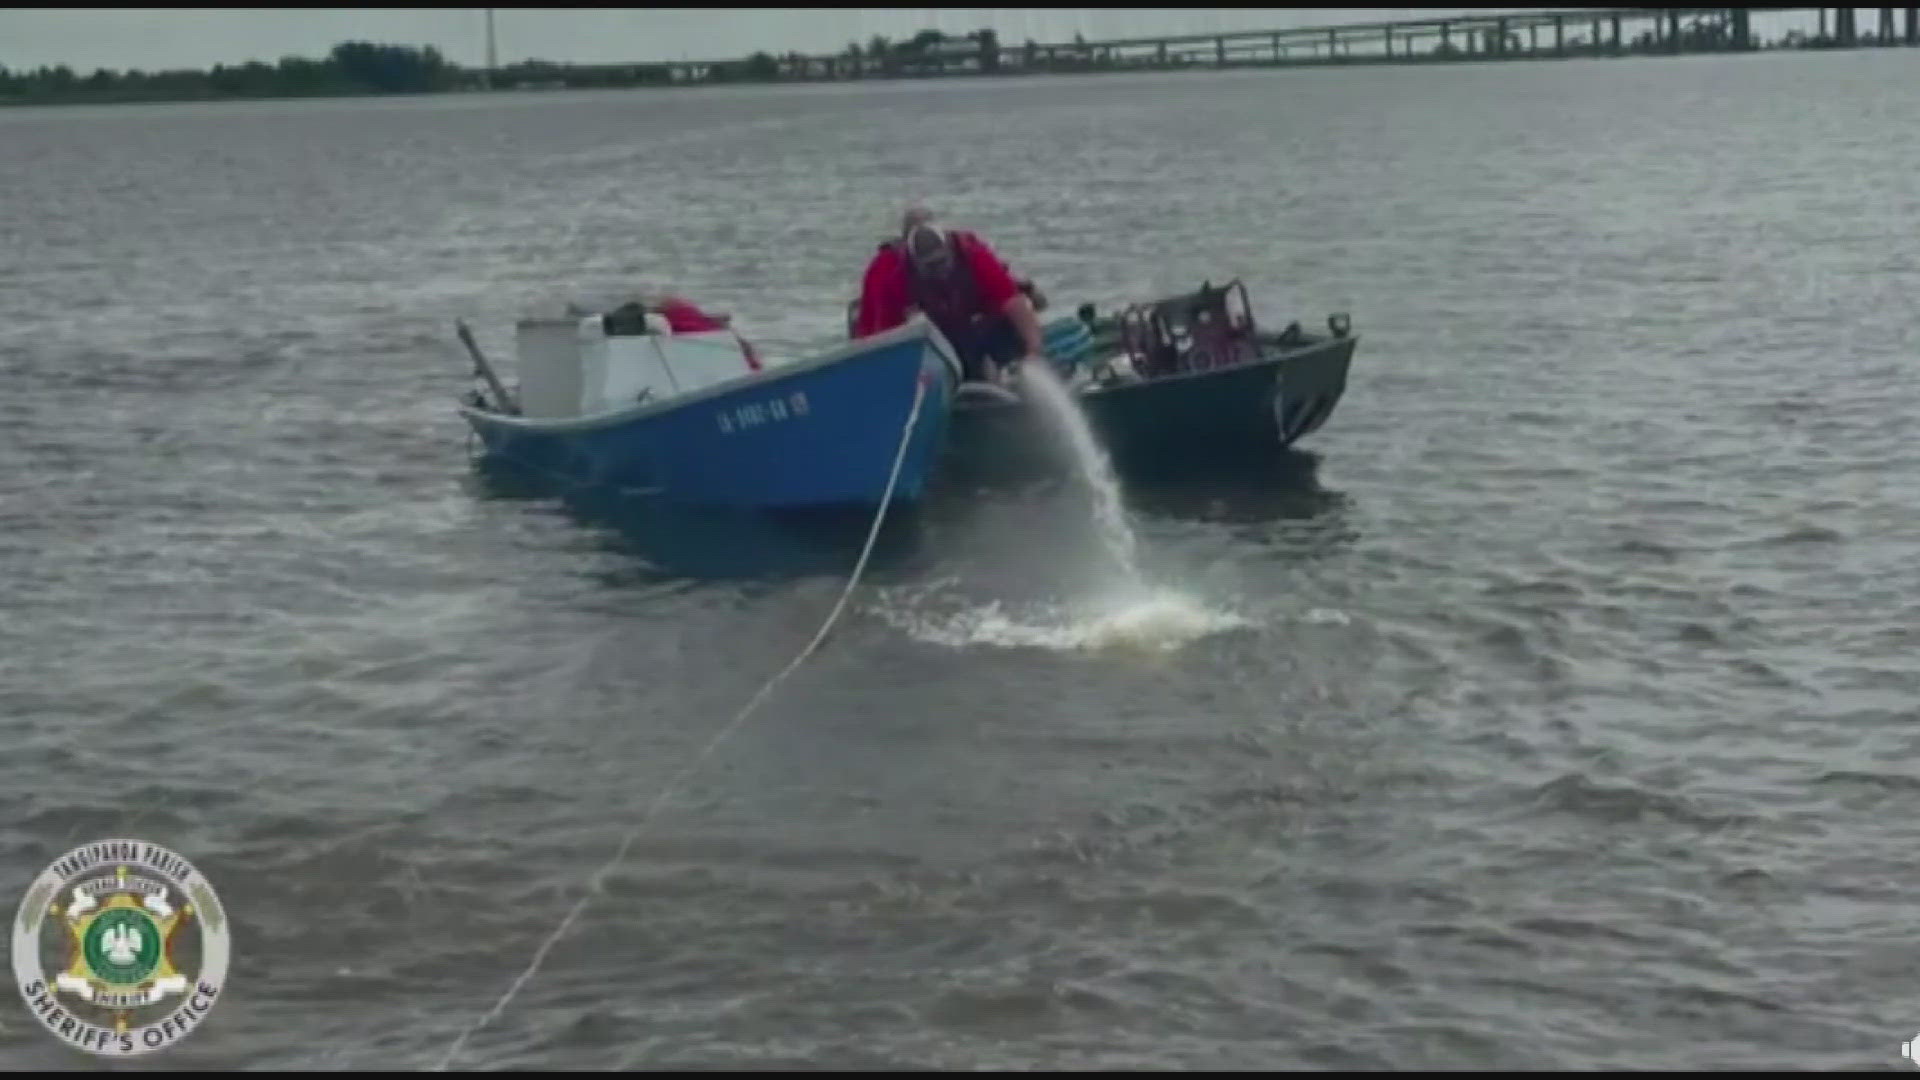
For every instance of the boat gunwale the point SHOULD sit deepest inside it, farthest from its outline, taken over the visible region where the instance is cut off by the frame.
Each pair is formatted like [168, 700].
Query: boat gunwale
[1312, 348]
[918, 328]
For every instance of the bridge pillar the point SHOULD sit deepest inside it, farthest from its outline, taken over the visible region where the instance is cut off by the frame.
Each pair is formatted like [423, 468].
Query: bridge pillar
[1742, 31]
[1913, 26]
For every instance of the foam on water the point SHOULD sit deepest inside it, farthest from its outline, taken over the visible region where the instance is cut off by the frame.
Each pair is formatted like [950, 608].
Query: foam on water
[1154, 620]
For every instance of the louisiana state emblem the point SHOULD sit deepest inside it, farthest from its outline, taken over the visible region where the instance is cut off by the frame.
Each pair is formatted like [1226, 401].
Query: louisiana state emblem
[120, 948]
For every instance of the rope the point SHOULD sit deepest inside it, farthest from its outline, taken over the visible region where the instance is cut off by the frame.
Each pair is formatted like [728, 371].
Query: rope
[598, 880]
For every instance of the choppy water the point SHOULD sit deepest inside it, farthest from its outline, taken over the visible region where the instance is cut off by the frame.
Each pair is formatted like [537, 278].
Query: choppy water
[1558, 712]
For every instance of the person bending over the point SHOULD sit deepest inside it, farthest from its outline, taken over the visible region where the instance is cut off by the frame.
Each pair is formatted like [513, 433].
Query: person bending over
[961, 285]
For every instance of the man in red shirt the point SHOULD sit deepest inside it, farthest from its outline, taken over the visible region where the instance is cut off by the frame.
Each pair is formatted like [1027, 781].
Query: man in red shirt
[956, 280]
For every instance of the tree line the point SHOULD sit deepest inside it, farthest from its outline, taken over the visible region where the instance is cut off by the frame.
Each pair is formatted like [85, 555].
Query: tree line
[352, 67]
[360, 67]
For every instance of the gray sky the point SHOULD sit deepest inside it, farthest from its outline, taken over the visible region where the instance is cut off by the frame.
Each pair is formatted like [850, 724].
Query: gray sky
[158, 38]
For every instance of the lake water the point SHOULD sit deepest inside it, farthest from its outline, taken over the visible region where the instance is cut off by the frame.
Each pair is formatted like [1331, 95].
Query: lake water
[1558, 709]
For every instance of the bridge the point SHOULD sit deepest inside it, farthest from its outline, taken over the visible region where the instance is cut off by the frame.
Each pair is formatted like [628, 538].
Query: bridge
[1539, 35]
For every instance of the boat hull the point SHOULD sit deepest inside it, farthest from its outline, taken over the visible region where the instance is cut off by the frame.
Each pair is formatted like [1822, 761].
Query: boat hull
[1194, 423]
[822, 433]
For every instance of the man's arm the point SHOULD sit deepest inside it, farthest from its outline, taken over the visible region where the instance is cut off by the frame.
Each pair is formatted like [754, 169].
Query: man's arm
[1001, 293]
[1026, 323]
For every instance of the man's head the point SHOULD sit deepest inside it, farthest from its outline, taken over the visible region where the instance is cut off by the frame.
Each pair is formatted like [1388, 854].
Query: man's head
[917, 214]
[928, 250]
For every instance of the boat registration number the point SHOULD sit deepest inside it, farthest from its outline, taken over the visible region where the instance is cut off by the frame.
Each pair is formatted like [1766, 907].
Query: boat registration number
[758, 413]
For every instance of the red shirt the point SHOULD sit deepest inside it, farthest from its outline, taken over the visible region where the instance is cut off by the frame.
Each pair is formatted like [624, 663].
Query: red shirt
[886, 293]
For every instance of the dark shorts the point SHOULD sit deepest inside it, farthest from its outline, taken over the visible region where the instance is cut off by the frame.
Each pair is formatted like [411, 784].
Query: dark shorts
[992, 343]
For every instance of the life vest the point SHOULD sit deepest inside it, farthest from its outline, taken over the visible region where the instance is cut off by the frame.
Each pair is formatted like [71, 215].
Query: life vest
[682, 317]
[952, 304]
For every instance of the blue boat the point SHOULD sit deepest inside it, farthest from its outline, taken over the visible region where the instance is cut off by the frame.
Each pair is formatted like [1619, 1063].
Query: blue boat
[692, 419]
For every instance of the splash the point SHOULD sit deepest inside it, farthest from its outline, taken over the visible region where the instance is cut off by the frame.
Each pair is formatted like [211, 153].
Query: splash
[1132, 614]
[1063, 413]
[1151, 622]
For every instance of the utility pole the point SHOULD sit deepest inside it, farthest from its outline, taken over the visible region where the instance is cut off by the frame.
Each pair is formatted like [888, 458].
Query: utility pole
[493, 59]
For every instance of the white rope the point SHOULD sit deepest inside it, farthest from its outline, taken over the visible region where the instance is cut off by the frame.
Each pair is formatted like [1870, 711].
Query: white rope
[594, 884]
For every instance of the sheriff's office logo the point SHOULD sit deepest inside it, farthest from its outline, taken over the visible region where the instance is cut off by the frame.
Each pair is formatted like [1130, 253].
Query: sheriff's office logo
[137, 941]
